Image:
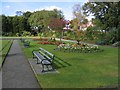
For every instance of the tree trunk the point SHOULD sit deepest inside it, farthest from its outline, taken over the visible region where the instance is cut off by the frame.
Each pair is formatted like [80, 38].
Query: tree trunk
[78, 42]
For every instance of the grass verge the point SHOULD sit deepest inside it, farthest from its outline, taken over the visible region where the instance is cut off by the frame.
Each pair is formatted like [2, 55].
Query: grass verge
[5, 46]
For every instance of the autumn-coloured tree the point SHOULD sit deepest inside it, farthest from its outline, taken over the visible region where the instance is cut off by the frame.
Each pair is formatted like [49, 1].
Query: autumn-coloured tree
[57, 24]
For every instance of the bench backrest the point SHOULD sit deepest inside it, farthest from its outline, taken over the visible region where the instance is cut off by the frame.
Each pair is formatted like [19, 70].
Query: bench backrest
[48, 53]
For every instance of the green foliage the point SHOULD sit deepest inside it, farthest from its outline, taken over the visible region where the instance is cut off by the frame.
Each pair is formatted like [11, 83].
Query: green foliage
[106, 16]
[15, 24]
[25, 33]
[85, 21]
[89, 33]
[94, 33]
[112, 35]
[6, 24]
[26, 15]
[74, 24]
[106, 12]
[18, 24]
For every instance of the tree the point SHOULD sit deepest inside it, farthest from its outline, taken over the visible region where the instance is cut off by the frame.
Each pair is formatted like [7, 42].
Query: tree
[42, 18]
[77, 12]
[26, 15]
[18, 24]
[85, 21]
[10, 24]
[19, 13]
[106, 14]
[78, 21]
[6, 24]
[57, 24]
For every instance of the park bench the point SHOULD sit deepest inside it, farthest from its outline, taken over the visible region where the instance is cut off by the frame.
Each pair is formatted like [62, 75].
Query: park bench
[22, 40]
[44, 57]
[26, 43]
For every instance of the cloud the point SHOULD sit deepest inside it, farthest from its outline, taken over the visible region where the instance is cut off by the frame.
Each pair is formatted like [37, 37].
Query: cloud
[49, 8]
[7, 7]
[68, 15]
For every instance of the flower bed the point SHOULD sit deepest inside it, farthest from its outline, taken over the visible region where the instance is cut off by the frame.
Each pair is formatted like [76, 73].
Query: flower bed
[86, 48]
[44, 42]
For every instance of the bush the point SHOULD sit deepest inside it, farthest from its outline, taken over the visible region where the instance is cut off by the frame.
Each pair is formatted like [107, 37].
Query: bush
[104, 42]
[112, 35]
[100, 43]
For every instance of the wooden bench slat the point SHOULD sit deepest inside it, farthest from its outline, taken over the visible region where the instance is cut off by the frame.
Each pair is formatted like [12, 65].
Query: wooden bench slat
[38, 55]
[47, 52]
[46, 62]
[45, 55]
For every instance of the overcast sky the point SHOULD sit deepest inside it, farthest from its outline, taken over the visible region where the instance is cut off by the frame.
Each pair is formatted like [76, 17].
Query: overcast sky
[9, 7]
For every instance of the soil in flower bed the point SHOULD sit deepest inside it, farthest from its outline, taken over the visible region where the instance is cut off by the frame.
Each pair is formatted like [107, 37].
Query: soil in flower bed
[40, 39]
[51, 43]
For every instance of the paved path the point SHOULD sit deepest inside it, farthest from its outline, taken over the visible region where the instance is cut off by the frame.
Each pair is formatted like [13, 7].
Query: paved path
[74, 41]
[16, 72]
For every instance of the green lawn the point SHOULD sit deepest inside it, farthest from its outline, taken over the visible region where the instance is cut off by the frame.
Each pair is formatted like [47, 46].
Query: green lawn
[5, 45]
[79, 70]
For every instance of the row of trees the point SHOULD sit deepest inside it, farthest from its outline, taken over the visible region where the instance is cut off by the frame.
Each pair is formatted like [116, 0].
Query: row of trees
[43, 20]
[15, 24]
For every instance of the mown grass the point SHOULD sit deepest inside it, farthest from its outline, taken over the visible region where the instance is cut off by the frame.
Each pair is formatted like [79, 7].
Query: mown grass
[5, 45]
[79, 70]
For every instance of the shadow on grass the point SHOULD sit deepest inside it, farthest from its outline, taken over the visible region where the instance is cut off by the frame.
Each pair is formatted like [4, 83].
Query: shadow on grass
[59, 63]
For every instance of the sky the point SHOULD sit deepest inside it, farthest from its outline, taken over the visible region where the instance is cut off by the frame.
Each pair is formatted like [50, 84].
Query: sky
[9, 7]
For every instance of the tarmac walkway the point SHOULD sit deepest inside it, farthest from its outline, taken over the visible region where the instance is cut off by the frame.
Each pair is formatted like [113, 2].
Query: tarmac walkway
[16, 71]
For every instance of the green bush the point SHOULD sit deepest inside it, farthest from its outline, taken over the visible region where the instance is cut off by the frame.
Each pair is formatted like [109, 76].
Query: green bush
[112, 35]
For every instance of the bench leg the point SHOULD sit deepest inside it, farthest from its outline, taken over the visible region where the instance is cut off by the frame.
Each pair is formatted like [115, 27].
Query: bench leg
[42, 68]
[47, 67]
[50, 69]
[33, 56]
[37, 61]
[53, 68]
